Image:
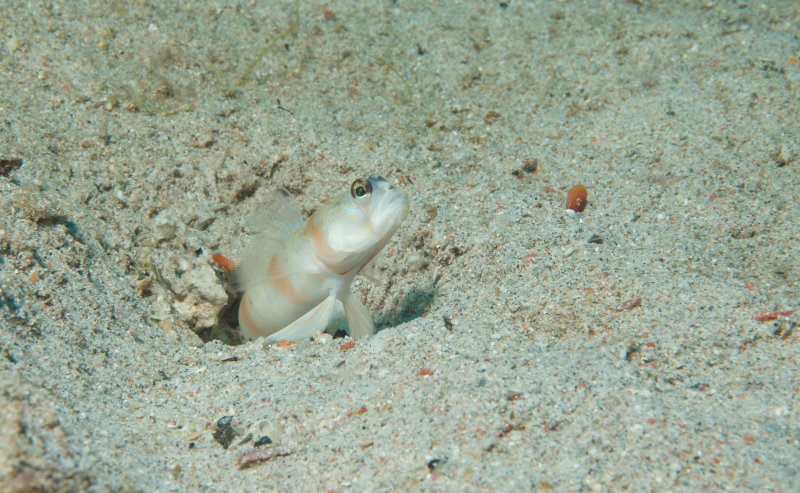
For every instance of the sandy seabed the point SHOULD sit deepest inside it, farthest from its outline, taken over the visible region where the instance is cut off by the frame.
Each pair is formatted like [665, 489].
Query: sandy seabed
[649, 342]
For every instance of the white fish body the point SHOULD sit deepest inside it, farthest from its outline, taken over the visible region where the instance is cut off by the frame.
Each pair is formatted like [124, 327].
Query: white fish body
[293, 275]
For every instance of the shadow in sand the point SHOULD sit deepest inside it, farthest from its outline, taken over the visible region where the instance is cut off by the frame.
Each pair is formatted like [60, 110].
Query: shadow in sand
[413, 306]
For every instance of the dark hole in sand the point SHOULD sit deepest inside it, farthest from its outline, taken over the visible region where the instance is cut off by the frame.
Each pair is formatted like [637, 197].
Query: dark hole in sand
[414, 305]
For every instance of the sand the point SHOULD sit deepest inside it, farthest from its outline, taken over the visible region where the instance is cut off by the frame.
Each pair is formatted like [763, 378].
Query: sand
[649, 342]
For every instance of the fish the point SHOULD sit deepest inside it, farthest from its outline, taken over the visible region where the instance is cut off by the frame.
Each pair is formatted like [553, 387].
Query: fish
[294, 272]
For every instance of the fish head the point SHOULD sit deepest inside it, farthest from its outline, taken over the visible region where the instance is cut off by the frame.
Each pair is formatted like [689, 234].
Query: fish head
[383, 206]
[359, 224]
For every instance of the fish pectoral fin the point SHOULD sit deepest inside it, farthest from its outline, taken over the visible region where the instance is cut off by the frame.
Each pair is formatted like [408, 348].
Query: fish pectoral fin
[370, 270]
[358, 317]
[315, 320]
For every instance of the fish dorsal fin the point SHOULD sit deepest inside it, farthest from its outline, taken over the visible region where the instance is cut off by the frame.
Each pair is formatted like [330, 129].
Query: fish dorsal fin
[276, 217]
[276, 214]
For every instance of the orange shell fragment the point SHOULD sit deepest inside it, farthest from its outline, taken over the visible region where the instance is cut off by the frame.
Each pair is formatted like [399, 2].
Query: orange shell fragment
[223, 261]
[576, 198]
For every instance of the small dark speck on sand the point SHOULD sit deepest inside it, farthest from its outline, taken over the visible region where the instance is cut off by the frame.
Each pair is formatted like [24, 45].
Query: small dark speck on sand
[434, 463]
[224, 434]
[9, 165]
[265, 440]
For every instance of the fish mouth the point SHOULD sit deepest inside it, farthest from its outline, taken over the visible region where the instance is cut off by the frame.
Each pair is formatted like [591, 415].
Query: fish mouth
[390, 211]
[389, 206]
[397, 200]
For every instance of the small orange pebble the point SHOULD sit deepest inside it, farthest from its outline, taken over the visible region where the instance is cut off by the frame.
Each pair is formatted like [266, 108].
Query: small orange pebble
[768, 317]
[223, 261]
[348, 345]
[34, 277]
[749, 285]
[576, 198]
[357, 412]
[286, 343]
[425, 372]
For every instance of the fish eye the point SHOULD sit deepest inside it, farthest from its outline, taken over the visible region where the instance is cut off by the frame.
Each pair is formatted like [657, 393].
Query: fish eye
[360, 188]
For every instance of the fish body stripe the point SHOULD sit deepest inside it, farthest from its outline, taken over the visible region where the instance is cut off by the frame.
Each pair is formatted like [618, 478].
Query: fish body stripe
[283, 298]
